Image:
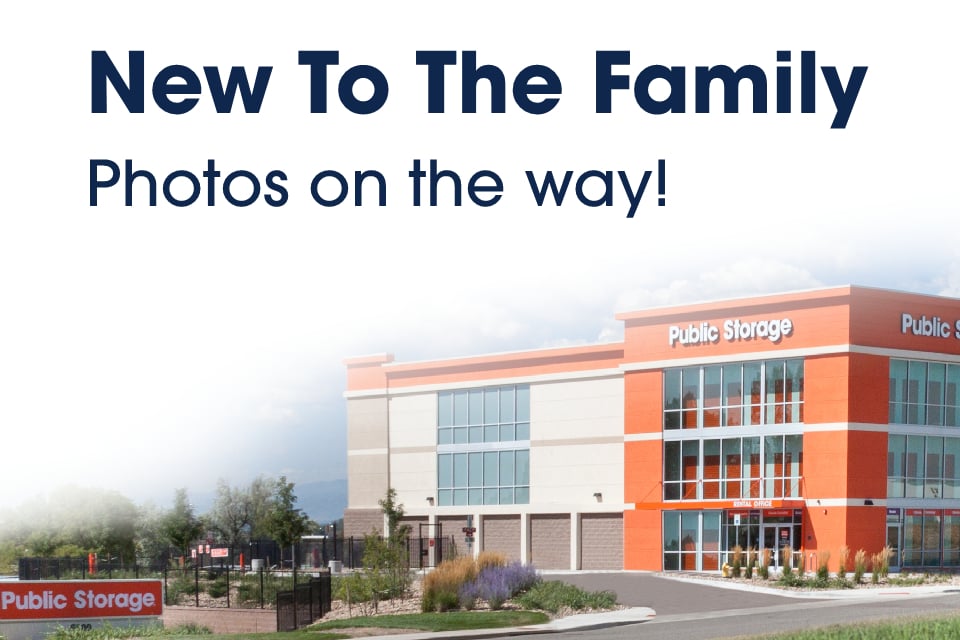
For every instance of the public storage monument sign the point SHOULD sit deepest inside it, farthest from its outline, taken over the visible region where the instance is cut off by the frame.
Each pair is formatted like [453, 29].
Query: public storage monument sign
[32, 609]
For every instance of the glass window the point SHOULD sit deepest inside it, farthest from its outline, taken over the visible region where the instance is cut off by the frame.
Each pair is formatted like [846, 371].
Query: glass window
[445, 470]
[896, 454]
[711, 469]
[731, 468]
[752, 387]
[936, 383]
[898, 390]
[475, 475]
[914, 467]
[734, 394]
[490, 469]
[951, 467]
[690, 399]
[751, 468]
[507, 412]
[711, 396]
[793, 465]
[491, 406]
[934, 468]
[469, 421]
[951, 408]
[523, 431]
[506, 468]
[671, 540]
[445, 409]
[774, 392]
[459, 470]
[476, 406]
[523, 466]
[460, 407]
[523, 403]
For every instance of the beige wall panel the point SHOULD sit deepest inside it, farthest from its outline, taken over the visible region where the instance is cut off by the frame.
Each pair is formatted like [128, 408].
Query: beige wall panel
[414, 476]
[413, 421]
[359, 522]
[366, 480]
[502, 533]
[576, 409]
[550, 541]
[571, 474]
[366, 423]
[601, 541]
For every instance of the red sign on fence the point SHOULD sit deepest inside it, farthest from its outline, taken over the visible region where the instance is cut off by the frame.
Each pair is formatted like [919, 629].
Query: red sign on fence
[220, 553]
[68, 599]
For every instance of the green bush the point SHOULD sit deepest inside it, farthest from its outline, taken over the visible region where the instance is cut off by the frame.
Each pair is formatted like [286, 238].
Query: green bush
[181, 586]
[790, 579]
[554, 595]
[218, 588]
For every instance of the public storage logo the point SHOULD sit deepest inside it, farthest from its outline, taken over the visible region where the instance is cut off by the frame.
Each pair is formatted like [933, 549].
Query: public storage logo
[86, 599]
[935, 327]
[735, 330]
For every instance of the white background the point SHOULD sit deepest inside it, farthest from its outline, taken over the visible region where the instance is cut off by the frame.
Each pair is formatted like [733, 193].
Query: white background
[148, 348]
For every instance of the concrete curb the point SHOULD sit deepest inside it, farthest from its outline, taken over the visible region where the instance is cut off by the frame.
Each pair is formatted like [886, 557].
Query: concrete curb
[581, 622]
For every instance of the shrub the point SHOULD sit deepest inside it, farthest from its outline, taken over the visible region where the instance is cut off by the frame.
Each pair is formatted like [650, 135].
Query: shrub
[736, 561]
[553, 595]
[882, 566]
[751, 561]
[786, 557]
[492, 586]
[859, 566]
[823, 566]
[469, 594]
[520, 577]
[217, 588]
[844, 561]
[441, 587]
[490, 559]
[791, 579]
[182, 586]
[764, 570]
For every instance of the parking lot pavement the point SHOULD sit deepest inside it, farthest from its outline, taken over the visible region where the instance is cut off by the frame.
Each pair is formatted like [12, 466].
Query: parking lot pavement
[668, 596]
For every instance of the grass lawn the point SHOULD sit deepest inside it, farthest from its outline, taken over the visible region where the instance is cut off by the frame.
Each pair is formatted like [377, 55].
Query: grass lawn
[920, 628]
[449, 621]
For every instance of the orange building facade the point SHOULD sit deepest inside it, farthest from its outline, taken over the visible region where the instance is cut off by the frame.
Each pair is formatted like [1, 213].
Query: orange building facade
[811, 420]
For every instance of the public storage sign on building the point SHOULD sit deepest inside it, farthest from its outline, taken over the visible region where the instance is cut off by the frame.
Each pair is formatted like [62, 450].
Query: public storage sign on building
[774, 330]
[33, 608]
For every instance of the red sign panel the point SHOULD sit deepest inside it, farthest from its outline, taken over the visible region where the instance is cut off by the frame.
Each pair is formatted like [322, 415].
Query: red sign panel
[69, 599]
[223, 552]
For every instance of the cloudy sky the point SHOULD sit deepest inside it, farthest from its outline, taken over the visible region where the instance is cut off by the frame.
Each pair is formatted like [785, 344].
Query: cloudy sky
[145, 348]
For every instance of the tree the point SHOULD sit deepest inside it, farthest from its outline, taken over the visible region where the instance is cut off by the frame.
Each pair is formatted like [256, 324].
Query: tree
[396, 532]
[180, 526]
[261, 493]
[152, 545]
[231, 513]
[285, 522]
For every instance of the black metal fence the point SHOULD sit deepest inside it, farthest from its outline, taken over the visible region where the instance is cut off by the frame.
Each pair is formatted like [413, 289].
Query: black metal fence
[235, 580]
[305, 603]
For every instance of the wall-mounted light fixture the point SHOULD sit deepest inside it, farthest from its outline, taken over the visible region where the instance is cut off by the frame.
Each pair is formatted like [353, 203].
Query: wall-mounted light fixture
[598, 496]
[430, 500]
[868, 502]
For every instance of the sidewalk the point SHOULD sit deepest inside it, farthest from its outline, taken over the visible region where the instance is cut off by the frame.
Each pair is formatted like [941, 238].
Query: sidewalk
[580, 622]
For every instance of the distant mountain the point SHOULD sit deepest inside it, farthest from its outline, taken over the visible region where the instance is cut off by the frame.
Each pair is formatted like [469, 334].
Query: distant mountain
[323, 501]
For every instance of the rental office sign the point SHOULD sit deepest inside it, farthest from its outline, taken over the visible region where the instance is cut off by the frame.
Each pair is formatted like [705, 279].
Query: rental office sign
[30, 609]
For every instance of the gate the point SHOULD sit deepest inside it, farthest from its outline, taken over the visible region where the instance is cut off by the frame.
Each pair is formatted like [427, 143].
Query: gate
[305, 604]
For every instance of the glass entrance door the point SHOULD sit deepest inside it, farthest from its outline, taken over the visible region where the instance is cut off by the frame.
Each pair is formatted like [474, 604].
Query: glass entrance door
[776, 537]
[893, 541]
